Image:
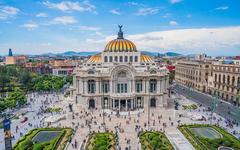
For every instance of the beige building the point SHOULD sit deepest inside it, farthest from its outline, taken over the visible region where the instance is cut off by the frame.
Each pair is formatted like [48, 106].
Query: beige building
[225, 80]
[193, 74]
[15, 60]
[211, 77]
[121, 79]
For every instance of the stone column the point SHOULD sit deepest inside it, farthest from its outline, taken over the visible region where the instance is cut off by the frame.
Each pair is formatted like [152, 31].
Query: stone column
[113, 100]
[111, 86]
[143, 86]
[119, 104]
[84, 86]
[147, 86]
[97, 86]
[158, 86]
[126, 102]
[131, 103]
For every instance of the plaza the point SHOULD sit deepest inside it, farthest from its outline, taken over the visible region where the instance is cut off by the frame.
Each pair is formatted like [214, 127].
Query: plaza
[126, 125]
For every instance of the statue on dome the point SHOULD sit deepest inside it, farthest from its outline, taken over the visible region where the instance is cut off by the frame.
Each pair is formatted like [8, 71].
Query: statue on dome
[120, 33]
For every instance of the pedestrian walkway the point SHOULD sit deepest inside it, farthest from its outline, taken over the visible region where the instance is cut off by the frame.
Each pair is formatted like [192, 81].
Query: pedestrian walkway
[178, 140]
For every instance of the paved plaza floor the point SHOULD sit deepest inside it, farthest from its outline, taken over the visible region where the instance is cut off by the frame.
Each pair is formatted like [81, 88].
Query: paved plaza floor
[126, 126]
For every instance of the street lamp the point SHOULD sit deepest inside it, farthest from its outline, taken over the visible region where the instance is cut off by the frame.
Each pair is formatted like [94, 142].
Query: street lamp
[148, 106]
[213, 105]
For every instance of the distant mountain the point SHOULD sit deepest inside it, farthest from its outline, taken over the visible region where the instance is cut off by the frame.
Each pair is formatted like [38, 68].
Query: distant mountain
[168, 54]
[172, 54]
[71, 53]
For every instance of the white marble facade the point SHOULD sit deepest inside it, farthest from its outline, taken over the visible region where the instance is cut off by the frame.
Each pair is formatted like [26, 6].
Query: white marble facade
[121, 84]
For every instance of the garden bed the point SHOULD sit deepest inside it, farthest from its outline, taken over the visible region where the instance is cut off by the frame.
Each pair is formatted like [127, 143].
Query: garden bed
[51, 110]
[154, 141]
[209, 137]
[44, 138]
[188, 107]
[101, 141]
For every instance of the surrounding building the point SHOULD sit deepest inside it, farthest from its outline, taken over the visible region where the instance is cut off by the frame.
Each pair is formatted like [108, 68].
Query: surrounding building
[15, 60]
[193, 74]
[225, 82]
[212, 77]
[63, 67]
[39, 67]
[120, 78]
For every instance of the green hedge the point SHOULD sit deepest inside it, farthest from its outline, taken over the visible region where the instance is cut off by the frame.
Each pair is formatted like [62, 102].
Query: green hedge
[101, 141]
[193, 106]
[49, 145]
[151, 140]
[202, 143]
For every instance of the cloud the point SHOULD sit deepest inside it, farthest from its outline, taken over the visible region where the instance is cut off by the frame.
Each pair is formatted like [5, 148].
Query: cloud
[147, 11]
[30, 26]
[167, 15]
[222, 8]
[89, 28]
[42, 15]
[175, 1]
[133, 3]
[115, 12]
[173, 23]
[65, 20]
[69, 6]
[8, 12]
[213, 41]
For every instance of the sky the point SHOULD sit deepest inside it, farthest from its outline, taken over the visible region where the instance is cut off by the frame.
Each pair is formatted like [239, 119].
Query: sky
[182, 26]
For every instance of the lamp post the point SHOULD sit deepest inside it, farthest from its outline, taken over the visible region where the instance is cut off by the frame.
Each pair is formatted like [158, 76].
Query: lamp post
[103, 90]
[213, 105]
[148, 107]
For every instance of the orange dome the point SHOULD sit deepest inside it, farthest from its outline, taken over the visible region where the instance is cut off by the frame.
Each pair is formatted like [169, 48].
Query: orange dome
[120, 44]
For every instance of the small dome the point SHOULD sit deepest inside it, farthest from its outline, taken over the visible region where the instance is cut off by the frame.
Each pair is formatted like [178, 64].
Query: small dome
[120, 44]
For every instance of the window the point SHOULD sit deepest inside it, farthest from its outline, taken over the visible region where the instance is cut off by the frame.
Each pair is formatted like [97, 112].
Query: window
[116, 59]
[126, 59]
[233, 80]
[121, 59]
[90, 72]
[131, 59]
[136, 58]
[91, 86]
[153, 102]
[139, 86]
[110, 59]
[105, 59]
[105, 86]
[122, 88]
[118, 88]
[228, 80]
[153, 85]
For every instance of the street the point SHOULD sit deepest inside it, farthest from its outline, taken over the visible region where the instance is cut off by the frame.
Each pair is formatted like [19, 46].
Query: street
[222, 108]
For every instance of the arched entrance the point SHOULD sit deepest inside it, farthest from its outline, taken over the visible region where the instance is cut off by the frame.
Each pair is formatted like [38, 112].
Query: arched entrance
[153, 102]
[91, 104]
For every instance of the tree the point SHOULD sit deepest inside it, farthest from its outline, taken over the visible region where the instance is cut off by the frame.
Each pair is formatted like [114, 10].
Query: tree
[69, 79]
[4, 78]
[15, 97]
[24, 77]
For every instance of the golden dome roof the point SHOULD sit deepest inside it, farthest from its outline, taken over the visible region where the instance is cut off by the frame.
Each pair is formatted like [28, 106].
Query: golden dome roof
[98, 59]
[120, 44]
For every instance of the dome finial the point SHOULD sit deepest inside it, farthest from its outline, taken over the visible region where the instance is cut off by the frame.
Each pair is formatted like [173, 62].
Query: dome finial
[120, 33]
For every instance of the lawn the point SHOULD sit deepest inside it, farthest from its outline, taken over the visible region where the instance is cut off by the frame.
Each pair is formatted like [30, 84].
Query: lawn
[209, 137]
[44, 139]
[101, 141]
[154, 141]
